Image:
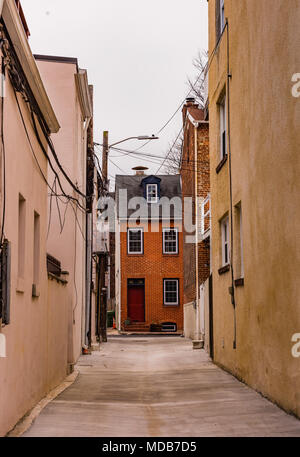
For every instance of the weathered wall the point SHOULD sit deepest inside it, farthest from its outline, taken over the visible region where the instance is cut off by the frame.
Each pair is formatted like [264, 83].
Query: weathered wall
[265, 138]
[68, 226]
[187, 172]
[189, 320]
[58, 333]
[36, 336]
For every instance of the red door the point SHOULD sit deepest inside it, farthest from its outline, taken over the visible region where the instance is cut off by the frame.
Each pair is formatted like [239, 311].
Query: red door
[136, 303]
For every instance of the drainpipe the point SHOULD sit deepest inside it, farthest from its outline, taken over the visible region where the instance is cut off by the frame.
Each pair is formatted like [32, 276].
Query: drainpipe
[197, 342]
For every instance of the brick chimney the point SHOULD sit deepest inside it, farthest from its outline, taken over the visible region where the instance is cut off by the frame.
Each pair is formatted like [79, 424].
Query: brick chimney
[190, 102]
[140, 171]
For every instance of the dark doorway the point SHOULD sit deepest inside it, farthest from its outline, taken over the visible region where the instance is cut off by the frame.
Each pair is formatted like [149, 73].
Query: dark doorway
[136, 300]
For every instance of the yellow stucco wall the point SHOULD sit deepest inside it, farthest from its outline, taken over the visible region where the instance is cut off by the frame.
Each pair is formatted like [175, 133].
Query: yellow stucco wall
[264, 47]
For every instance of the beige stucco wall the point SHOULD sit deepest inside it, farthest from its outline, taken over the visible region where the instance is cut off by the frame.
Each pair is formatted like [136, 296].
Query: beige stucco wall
[265, 138]
[68, 246]
[35, 342]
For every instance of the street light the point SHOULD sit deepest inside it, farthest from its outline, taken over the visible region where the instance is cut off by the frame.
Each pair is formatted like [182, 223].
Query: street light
[141, 138]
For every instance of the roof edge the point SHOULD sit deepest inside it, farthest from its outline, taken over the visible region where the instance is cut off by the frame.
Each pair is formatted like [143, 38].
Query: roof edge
[22, 49]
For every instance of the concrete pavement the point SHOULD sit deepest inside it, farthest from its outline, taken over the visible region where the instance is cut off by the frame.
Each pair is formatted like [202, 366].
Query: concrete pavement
[158, 387]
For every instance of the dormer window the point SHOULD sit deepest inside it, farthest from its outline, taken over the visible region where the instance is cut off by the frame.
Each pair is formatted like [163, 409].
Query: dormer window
[152, 193]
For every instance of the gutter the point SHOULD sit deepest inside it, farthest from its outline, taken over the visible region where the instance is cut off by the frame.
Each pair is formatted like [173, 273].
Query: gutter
[82, 85]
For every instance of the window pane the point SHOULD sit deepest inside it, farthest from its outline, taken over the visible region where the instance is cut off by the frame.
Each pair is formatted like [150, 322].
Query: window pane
[152, 192]
[135, 241]
[170, 241]
[171, 291]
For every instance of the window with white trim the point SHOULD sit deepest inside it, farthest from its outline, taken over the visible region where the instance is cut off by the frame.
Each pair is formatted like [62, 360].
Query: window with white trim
[170, 241]
[220, 18]
[222, 15]
[135, 241]
[171, 292]
[152, 193]
[239, 254]
[225, 241]
[223, 128]
[241, 243]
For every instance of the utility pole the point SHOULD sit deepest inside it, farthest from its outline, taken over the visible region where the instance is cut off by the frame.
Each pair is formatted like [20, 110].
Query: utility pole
[105, 158]
[102, 296]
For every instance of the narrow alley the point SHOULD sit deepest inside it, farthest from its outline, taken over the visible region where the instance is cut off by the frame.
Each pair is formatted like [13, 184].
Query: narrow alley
[158, 386]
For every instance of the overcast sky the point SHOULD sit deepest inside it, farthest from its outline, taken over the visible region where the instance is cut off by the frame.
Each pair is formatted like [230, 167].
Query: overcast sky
[138, 55]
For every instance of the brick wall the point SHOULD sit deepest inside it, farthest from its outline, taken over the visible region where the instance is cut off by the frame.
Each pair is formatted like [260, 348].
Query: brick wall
[188, 190]
[153, 266]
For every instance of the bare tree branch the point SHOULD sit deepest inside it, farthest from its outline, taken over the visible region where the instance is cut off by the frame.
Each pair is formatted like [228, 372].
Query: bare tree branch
[172, 165]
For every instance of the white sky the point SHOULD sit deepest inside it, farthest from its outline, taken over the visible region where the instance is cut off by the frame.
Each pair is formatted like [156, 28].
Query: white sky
[138, 54]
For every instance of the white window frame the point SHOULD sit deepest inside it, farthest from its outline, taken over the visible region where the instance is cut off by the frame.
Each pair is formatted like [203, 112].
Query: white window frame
[177, 292]
[205, 233]
[225, 241]
[173, 229]
[223, 128]
[222, 16]
[129, 230]
[151, 199]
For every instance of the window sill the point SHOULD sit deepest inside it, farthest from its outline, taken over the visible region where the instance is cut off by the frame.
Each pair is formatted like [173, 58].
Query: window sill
[239, 282]
[221, 164]
[224, 270]
[52, 277]
[171, 254]
[135, 255]
[171, 306]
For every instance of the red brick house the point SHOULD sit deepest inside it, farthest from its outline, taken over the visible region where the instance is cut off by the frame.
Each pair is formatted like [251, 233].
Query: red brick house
[149, 249]
[195, 175]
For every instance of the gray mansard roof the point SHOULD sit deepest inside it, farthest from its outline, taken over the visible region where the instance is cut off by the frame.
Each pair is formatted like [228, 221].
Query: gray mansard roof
[170, 187]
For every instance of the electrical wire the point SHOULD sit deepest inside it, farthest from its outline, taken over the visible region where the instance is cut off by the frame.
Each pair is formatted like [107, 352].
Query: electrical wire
[20, 84]
[36, 159]
[203, 71]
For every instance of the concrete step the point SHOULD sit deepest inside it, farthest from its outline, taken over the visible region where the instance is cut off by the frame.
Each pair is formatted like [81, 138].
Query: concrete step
[137, 327]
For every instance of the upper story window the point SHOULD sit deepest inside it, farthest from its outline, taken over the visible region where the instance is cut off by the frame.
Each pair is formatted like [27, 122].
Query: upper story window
[223, 129]
[239, 255]
[135, 241]
[220, 18]
[170, 241]
[222, 15]
[171, 292]
[225, 241]
[152, 193]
